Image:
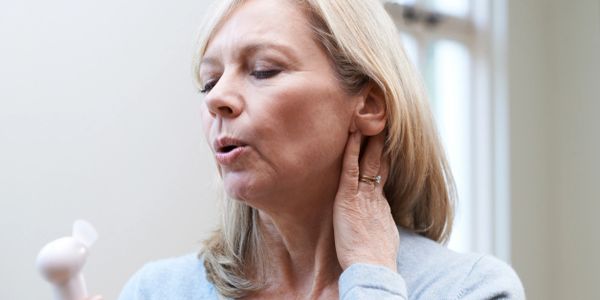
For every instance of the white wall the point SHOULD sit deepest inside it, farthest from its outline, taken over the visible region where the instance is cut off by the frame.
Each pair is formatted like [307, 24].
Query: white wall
[575, 145]
[529, 117]
[555, 101]
[99, 120]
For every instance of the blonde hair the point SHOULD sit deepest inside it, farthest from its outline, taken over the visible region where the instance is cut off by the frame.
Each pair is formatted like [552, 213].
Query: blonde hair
[363, 46]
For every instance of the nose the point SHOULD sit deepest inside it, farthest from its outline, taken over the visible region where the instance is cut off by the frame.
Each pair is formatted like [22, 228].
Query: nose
[224, 100]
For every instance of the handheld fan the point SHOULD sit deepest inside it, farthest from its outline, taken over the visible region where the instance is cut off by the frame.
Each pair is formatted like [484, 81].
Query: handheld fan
[60, 261]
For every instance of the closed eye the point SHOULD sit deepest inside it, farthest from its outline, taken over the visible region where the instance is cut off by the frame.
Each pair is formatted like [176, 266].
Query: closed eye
[259, 74]
[208, 86]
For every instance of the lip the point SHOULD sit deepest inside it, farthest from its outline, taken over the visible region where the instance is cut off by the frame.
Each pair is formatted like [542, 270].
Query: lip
[225, 141]
[228, 157]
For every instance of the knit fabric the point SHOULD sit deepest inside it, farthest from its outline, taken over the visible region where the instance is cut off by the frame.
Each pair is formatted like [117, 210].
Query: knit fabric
[426, 270]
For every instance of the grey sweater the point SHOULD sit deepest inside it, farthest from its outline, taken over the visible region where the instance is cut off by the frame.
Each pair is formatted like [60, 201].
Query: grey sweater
[426, 270]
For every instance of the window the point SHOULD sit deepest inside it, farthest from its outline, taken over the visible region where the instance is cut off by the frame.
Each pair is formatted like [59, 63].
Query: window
[453, 43]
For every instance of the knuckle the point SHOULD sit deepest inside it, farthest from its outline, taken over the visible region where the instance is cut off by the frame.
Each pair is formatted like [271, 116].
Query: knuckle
[353, 171]
[372, 165]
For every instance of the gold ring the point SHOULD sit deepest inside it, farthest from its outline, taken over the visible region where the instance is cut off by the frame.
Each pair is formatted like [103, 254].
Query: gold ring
[375, 180]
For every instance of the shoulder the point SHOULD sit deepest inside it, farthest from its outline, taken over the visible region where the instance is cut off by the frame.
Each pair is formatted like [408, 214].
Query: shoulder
[432, 271]
[182, 277]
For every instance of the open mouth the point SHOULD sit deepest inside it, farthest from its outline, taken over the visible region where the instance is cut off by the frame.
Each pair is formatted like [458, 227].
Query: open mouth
[227, 149]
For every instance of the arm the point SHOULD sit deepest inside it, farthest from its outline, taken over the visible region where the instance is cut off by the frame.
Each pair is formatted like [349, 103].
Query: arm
[491, 278]
[363, 281]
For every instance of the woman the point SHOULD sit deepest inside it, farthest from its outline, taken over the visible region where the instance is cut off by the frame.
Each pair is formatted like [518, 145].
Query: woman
[336, 183]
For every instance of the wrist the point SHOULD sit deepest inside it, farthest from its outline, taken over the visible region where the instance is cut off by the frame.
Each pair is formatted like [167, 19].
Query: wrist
[390, 264]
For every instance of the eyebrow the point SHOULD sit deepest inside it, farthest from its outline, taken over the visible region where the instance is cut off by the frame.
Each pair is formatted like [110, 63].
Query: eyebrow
[252, 48]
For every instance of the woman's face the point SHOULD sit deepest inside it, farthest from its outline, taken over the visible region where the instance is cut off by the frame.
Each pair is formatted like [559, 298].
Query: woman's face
[276, 117]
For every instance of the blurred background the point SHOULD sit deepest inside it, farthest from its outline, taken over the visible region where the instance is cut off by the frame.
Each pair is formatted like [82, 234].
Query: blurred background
[99, 120]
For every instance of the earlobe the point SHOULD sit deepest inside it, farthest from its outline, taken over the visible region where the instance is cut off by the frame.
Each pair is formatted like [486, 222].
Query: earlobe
[370, 115]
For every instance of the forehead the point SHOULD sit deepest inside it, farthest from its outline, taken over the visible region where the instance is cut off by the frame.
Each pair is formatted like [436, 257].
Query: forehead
[261, 22]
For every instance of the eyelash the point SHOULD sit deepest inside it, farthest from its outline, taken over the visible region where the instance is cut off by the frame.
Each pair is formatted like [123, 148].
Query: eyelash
[266, 74]
[208, 86]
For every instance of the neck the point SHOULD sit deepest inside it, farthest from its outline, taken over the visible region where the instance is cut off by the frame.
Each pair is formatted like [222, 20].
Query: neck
[300, 246]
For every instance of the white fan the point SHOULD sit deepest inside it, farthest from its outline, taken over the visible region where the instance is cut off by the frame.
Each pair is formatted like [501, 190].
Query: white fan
[61, 261]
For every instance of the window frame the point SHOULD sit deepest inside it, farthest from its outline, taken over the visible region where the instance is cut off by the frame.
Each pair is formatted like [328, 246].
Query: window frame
[483, 32]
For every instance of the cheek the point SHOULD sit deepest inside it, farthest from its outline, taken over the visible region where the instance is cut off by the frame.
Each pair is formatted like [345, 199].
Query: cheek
[206, 120]
[311, 125]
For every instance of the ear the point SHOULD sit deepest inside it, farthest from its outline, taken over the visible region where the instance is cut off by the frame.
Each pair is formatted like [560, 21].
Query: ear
[370, 114]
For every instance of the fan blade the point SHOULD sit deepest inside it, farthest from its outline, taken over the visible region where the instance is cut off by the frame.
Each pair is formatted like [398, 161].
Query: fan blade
[85, 232]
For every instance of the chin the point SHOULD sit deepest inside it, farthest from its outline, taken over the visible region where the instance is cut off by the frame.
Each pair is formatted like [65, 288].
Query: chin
[241, 187]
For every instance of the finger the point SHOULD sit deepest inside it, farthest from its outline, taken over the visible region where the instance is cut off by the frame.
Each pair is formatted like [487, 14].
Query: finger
[371, 160]
[350, 170]
[384, 171]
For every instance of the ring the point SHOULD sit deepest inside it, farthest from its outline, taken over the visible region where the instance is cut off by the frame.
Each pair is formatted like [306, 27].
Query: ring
[375, 180]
